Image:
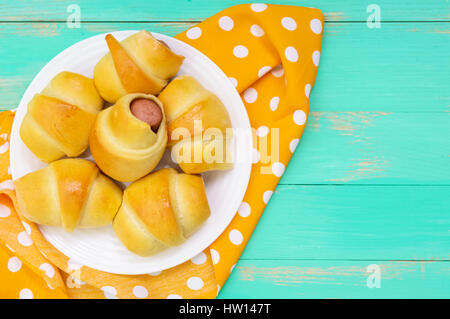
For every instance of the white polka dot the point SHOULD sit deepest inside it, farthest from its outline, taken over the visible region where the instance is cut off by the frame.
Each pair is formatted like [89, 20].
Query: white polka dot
[26, 294]
[174, 296]
[236, 237]
[256, 30]
[233, 81]
[24, 239]
[263, 70]
[291, 54]
[278, 71]
[293, 145]
[274, 103]
[299, 117]
[258, 7]
[232, 267]
[226, 23]
[255, 156]
[218, 289]
[195, 283]
[250, 95]
[14, 264]
[240, 51]
[8, 184]
[73, 265]
[278, 169]
[140, 292]
[289, 23]
[49, 285]
[109, 292]
[199, 259]
[156, 273]
[244, 209]
[4, 211]
[316, 57]
[27, 227]
[194, 33]
[215, 256]
[4, 148]
[262, 131]
[266, 196]
[48, 269]
[73, 282]
[316, 26]
[307, 90]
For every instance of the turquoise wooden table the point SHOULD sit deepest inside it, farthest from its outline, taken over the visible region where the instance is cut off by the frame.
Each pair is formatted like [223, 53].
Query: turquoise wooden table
[363, 209]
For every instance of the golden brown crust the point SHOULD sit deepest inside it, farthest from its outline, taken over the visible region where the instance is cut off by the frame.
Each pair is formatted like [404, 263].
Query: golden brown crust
[68, 125]
[124, 147]
[37, 197]
[149, 198]
[210, 112]
[75, 89]
[103, 202]
[194, 115]
[38, 141]
[180, 95]
[69, 193]
[73, 183]
[133, 79]
[161, 210]
[138, 64]
[134, 234]
[155, 57]
[183, 153]
[189, 201]
[59, 120]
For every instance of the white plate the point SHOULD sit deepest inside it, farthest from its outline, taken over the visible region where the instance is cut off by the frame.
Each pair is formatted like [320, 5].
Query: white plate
[100, 248]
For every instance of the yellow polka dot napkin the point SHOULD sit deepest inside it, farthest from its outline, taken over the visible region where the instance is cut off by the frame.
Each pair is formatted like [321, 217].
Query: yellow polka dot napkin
[271, 54]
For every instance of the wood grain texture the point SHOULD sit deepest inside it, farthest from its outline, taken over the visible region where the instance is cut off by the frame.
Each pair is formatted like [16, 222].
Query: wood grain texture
[354, 222]
[352, 74]
[372, 148]
[369, 182]
[188, 10]
[331, 279]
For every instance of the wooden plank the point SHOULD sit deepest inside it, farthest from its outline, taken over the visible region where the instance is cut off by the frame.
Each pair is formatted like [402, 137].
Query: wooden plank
[354, 222]
[350, 147]
[372, 148]
[336, 279]
[400, 67]
[352, 74]
[188, 10]
[26, 48]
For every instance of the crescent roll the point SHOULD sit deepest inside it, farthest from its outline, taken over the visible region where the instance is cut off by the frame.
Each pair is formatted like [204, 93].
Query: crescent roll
[124, 146]
[197, 126]
[161, 210]
[59, 119]
[69, 193]
[138, 64]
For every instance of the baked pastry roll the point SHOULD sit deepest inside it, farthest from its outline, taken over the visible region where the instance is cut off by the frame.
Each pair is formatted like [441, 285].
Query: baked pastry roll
[59, 119]
[127, 145]
[161, 210]
[138, 64]
[69, 193]
[197, 126]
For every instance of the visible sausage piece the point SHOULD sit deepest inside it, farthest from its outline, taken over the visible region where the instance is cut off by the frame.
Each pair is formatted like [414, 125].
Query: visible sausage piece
[147, 111]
